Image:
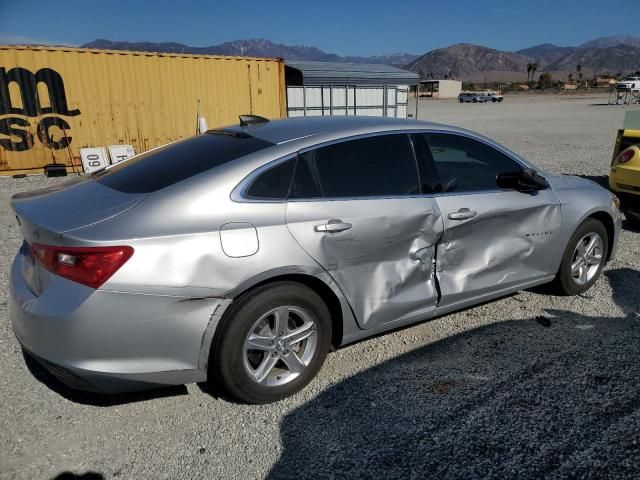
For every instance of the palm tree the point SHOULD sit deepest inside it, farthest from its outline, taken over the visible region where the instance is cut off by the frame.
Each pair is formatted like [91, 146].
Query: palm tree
[579, 70]
[529, 67]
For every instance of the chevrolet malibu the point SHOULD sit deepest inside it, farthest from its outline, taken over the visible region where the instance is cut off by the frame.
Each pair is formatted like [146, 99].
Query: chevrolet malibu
[243, 255]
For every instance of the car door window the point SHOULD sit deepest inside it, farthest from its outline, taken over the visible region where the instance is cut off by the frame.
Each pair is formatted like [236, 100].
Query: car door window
[467, 165]
[382, 165]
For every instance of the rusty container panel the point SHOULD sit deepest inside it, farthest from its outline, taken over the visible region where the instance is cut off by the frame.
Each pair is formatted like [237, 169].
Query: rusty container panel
[54, 101]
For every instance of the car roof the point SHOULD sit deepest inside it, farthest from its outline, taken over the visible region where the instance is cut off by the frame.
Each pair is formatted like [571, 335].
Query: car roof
[295, 134]
[299, 128]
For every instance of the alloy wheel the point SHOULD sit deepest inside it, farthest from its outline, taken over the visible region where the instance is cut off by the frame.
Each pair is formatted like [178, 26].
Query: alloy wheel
[587, 258]
[280, 345]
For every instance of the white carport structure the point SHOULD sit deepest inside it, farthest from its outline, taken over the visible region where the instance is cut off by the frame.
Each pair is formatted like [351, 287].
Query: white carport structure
[328, 88]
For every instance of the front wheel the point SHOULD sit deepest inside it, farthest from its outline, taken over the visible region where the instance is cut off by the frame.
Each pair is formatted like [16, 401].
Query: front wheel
[583, 259]
[271, 342]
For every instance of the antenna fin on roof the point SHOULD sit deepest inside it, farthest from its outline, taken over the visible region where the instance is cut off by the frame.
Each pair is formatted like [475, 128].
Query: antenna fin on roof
[246, 120]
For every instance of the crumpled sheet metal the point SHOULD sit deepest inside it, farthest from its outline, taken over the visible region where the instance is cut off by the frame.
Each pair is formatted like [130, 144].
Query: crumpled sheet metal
[503, 248]
[383, 264]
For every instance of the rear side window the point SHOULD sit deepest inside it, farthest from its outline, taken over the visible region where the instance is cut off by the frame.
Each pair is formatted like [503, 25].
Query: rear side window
[305, 181]
[274, 183]
[173, 163]
[467, 165]
[382, 165]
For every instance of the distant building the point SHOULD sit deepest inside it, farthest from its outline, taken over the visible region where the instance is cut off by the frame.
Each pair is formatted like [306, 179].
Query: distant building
[327, 88]
[440, 88]
[604, 82]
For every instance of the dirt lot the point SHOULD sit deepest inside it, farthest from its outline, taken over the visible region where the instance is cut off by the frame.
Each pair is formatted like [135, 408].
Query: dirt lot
[488, 392]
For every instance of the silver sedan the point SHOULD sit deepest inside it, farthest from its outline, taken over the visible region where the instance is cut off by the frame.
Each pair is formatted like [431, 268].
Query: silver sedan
[243, 255]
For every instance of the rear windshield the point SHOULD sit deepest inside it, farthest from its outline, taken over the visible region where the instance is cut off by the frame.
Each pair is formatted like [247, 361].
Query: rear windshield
[173, 163]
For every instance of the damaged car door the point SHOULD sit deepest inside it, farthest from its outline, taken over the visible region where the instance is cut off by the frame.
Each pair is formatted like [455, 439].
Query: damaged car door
[494, 238]
[357, 207]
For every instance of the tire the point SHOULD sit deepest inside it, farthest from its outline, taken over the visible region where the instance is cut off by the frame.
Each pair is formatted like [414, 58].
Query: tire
[239, 369]
[633, 217]
[574, 282]
[461, 100]
[475, 100]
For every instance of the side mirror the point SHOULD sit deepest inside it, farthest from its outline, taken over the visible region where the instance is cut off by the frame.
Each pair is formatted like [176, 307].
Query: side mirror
[526, 180]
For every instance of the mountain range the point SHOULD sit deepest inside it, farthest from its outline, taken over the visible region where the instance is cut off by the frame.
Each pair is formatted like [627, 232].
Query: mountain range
[258, 47]
[476, 63]
[618, 54]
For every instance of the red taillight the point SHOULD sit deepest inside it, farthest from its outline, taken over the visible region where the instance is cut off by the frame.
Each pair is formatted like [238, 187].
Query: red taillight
[91, 266]
[626, 155]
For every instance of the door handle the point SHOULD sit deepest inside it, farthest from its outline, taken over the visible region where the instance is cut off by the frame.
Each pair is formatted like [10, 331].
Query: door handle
[462, 214]
[333, 226]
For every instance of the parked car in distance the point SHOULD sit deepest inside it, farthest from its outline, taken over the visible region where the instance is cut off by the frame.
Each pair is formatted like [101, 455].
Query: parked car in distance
[629, 83]
[243, 255]
[467, 97]
[495, 96]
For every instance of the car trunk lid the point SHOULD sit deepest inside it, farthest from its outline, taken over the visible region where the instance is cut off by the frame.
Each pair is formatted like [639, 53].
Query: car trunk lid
[45, 214]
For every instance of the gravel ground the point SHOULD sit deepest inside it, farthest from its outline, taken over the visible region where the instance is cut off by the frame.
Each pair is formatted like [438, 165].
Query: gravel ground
[492, 391]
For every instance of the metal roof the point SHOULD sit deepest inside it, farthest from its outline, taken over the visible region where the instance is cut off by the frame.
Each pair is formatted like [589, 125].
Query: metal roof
[334, 73]
[137, 53]
[436, 80]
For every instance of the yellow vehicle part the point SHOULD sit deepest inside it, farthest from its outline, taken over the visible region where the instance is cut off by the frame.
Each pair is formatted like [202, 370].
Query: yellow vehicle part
[625, 177]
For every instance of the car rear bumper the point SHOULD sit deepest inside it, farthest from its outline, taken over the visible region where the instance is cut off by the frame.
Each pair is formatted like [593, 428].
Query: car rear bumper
[625, 180]
[112, 341]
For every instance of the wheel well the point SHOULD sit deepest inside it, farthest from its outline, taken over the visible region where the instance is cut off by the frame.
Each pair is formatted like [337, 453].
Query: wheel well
[326, 294]
[607, 221]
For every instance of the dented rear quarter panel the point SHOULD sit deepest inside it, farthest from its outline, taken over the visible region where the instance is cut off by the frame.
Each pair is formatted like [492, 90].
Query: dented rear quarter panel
[176, 235]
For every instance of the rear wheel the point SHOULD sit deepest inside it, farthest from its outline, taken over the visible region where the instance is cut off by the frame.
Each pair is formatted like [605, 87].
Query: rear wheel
[461, 100]
[583, 259]
[271, 342]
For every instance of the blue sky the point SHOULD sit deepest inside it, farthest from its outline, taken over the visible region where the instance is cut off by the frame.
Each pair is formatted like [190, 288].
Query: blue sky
[343, 27]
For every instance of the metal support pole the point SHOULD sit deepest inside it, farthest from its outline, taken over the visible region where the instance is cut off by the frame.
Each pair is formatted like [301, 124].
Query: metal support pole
[304, 100]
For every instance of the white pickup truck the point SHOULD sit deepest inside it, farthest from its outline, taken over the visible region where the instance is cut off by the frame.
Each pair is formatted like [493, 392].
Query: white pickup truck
[629, 83]
[494, 96]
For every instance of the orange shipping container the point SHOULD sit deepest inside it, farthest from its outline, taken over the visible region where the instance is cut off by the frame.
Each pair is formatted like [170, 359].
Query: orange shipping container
[54, 101]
